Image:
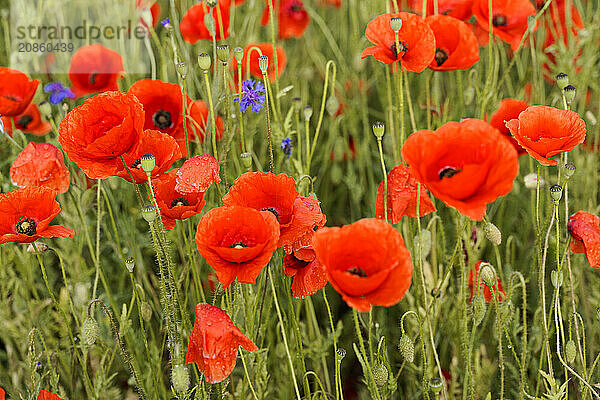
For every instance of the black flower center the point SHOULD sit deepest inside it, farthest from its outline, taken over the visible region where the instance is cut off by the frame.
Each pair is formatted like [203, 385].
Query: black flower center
[402, 48]
[440, 56]
[274, 211]
[24, 121]
[180, 201]
[26, 226]
[238, 245]
[9, 97]
[448, 172]
[93, 77]
[358, 271]
[136, 164]
[162, 119]
[499, 20]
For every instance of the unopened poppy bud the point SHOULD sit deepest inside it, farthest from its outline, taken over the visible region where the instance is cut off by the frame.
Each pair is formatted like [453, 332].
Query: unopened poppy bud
[332, 105]
[246, 159]
[146, 311]
[180, 378]
[341, 353]
[297, 103]
[182, 69]
[435, 384]
[479, 309]
[492, 233]
[209, 22]
[569, 169]
[531, 181]
[45, 109]
[130, 264]
[556, 193]
[147, 162]
[396, 23]
[89, 331]
[204, 62]
[591, 117]
[223, 52]
[569, 92]
[380, 374]
[487, 274]
[469, 95]
[149, 213]
[263, 64]
[562, 80]
[308, 112]
[378, 129]
[423, 243]
[407, 348]
[556, 279]
[37, 247]
[238, 54]
[570, 351]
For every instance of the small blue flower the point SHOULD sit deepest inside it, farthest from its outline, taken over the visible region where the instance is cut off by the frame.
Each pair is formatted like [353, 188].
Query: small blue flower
[252, 95]
[286, 146]
[166, 22]
[58, 92]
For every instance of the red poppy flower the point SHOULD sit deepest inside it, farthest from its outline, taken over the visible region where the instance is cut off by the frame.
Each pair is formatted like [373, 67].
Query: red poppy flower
[415, 38]
[16, 91]
[465, 164]
[172, 204]
[197, 174]
[192, 25]
[267, 50]
[162, 146]
[335, 3]
[508, 109]
[29, 121]
[95, 134]
[238, 2]
[198, 115]
[26, 213]
[162, 105]
[509, 18]
[487, 291]
[296, 215]
[366, 262]
[46, 395]
[402, 196]
[95, 68]
[237, 242]
[154, 11]
[291, 16]
[2, 394]
[214, 343]
[309, 275]
[455, 42]
[585, 236]
[547, 131]
[40, 164]
[460, 9]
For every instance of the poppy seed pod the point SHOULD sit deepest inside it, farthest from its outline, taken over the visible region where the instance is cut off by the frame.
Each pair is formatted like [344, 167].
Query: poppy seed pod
[569, 92]
[238, 54]
[488, 274]
[180, 378]
[45, 109]
[204, 62]
[469, 95]
[147, 162]
[308, 112]
[341, 353]
[380, 374]
[149, 213]
[556, 278]
[211, 3]
[223, 53]
[562, 80]
[378, 129]
[479, 308]
[263, 64]
[89, 331]
[407, 348]
[130, 264]
[492, 233]
[246, 159]
[182, 69]
[297, 101]
[556, 193]
[396, 23]
[569, 169]
[435, 384]
[570, 351]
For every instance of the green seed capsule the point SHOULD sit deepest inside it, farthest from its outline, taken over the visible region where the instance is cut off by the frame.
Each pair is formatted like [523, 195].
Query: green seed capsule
[380, 374]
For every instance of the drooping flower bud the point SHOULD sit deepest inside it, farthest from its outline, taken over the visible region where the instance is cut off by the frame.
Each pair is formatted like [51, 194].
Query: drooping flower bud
[487, 274]
[332, 105]
[180, 378]
[407, 348]
[89, 331]
[479, 309]
[570, 351]
[380, 374]
[492, 233]
[146, 311]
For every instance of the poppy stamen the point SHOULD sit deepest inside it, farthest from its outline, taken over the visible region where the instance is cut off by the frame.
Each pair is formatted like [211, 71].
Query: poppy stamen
[24, 121]
[358, 271]
[403, 48]
[440, 56]
[238, 245]
[499, 20]
[162, 119]
[26, 226]
[180, 201]
[448, 172]
[271, 209]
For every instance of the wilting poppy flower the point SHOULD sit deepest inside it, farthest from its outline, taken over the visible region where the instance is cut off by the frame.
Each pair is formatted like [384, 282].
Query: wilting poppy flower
[309, 275]
[465, 164]
[402, 196]
[197, 174]
[547, 131]
[237, 242]
[29, 121]
[415, 39]
[197, 125]
[154, 10]
[460, 9]
[455, 42]
[291, 16]
[16, 91]
[95, 68]
[509, 18]
[25, 215]
[366, 262]
[95, 134]
[192, 25]
[487, 291]
[214, 343]
[46, 395]
[267, 50]
[296, 215]
[162, 146]
[508, 109]
[585, 236]
[40, 164]
[172, 204]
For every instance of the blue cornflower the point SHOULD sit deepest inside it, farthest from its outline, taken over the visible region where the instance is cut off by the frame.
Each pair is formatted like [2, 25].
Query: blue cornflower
[58, 92]
[286, 146]
[252, 95]
[166, 23]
